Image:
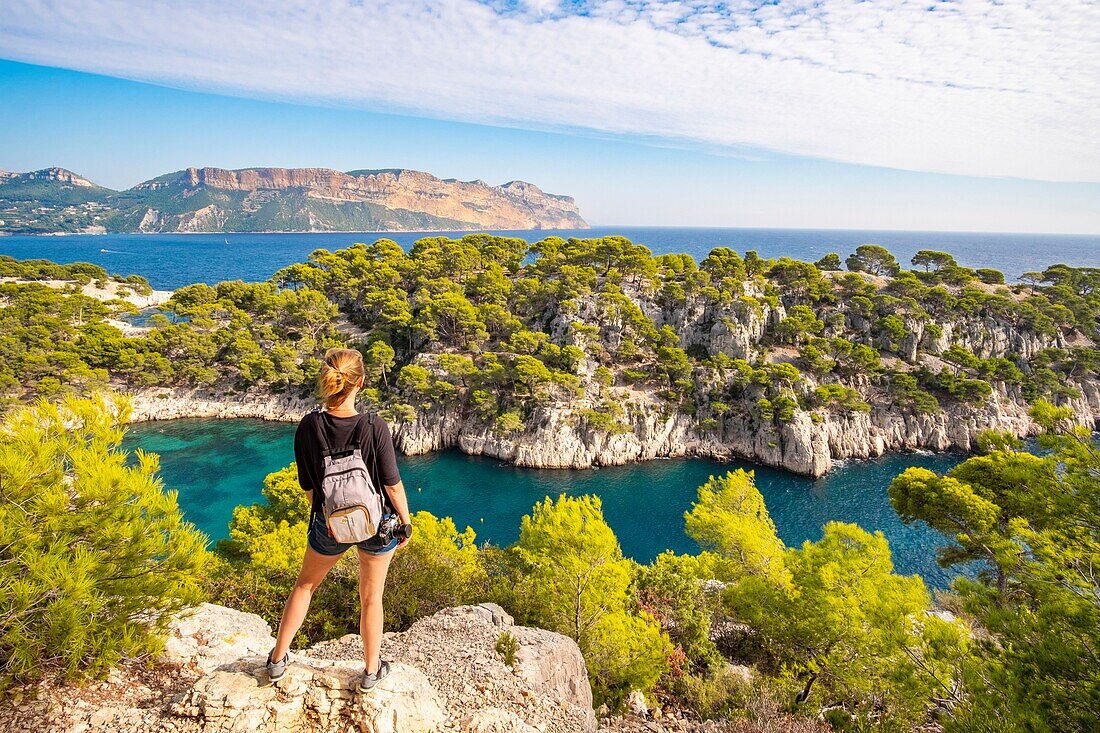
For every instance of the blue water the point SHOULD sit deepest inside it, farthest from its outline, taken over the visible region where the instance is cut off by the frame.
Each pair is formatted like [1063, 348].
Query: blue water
[173, 260]
[217, 464]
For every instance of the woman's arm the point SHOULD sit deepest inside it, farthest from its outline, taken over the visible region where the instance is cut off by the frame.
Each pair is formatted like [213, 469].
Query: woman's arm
[400, 501]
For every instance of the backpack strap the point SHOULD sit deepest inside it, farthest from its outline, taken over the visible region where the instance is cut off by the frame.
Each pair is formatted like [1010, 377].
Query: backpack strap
[387, 504]
[320, 429]
[355, 440]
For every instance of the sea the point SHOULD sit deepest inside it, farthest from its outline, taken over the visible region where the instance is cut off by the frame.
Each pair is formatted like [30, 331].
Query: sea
[215, 465]
[170, 261]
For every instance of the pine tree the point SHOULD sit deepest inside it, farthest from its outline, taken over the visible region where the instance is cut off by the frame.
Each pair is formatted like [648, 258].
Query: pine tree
[95, 556]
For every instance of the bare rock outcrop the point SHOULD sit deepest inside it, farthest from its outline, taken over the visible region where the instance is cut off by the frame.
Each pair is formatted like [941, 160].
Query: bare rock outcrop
[167, 403]
[547, 688]
[209, 637]
[314, 695]
[445, 674]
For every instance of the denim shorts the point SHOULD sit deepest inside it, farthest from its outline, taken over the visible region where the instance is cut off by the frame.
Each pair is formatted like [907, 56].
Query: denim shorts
[322, 542]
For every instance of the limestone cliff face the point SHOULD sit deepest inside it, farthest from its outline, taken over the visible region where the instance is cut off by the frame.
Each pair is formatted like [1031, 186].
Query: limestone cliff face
[444, 203]
[53, 175]
[554, 438]
[161, 403]
[514, 205]
[278, 199]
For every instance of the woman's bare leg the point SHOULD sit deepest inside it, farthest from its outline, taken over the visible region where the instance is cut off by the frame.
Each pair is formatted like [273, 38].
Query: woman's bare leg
[315, 567]
[372, 581]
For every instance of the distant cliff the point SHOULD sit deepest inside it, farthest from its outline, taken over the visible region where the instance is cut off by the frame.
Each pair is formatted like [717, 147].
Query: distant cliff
[276, 199]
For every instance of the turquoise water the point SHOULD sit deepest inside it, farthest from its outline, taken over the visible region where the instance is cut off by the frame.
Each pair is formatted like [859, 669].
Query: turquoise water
[217, 464]
[173, 260]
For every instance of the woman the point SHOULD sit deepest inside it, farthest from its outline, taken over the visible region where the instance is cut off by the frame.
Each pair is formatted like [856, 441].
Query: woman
[339, 383]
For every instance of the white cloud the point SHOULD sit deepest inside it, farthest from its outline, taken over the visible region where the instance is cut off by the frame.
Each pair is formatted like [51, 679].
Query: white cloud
[978, 87]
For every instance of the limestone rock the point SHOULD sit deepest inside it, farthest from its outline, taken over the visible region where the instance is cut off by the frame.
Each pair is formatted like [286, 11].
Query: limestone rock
[210, 636]
[552, 664]
[742, 672]
[495, 720]
[316, 695]
[636, 704]
[548, 688]
[160, 403]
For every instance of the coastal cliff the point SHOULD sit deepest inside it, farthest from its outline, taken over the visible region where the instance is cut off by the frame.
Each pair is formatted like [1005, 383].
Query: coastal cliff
[555, 438]
[277, 199]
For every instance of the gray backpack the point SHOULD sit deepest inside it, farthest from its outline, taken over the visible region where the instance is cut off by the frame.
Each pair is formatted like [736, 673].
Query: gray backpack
[353, 505]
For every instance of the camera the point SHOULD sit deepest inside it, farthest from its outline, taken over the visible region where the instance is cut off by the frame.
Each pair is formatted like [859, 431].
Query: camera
[391, 528]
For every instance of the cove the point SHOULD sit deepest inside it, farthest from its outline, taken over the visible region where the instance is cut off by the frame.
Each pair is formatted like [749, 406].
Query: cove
[216, 465]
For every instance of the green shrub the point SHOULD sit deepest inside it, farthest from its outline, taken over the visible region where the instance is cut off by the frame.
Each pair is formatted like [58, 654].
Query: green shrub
[439, 568]
[95, 556]
[569, 575]
[844, 397]
[625, 651]
[604, 420]
[829, 619]
[506, 647]
[892, 330]
[990, 276]
[907, 391]
[333, 611]
[707, 425]
[717, 695]
[508, 423]
[271, 535]
[671, 590]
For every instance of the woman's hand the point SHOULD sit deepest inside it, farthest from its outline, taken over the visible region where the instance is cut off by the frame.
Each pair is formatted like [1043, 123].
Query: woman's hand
[401, 506]
[404, 540]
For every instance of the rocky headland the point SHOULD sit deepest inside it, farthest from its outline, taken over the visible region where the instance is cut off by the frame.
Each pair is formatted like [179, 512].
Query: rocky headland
[105, 290]
[561, 432]
[277, 199]
[594, 352]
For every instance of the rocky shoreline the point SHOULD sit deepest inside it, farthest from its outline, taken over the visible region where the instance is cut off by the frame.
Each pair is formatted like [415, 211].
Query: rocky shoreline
[554, 438]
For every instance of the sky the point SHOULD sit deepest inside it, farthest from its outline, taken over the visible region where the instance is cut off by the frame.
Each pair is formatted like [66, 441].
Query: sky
[972, 115]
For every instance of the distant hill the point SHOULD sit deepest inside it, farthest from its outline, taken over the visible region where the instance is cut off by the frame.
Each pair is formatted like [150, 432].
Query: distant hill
[56, 200]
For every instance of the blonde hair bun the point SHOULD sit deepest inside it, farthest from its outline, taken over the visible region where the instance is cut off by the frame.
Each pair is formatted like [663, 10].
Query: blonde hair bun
[341, 372]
